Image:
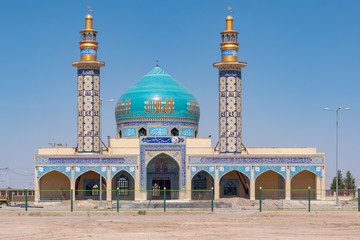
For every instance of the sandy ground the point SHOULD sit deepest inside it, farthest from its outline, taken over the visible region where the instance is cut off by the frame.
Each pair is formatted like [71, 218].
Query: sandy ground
[223, 224]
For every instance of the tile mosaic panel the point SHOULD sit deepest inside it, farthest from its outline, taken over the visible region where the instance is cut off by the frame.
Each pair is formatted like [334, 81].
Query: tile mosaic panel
[85, 160]
[78, 170]
[42, 170]
[116, 169]
[261, 169]
[195, 169]
[162, 140]
[256, 160]
[296, 169]
[243, 169]
[164, 148]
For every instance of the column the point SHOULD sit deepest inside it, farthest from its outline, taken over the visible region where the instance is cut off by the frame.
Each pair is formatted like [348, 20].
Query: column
[252, 184]
[72, 183]
[36, 187]
[109, 186]
[217, 186]
[288, 184]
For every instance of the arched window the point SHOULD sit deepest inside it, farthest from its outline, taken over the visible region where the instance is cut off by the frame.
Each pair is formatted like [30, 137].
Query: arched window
[92, 189]
[83, 36]
[174, 132]
[230, 189]
[120, 134]
[200, 182]
[94, 36]
[122, 183]
[196, 133]
[142, 132]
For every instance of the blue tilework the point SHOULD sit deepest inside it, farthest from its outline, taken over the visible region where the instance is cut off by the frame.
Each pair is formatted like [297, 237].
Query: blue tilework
[144, 123]
[143, 148]
[296, 169]
[78, 170]
[85, 160]
[195, 169]
[188, 132]
[130, 169]
[158, 131]
[129, 132]
[162, 140]
[243, 169]
[261, 169]
[42, 170]
[256, 160]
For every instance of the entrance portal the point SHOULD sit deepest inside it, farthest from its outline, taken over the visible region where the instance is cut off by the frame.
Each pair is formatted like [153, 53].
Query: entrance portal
[162, 171]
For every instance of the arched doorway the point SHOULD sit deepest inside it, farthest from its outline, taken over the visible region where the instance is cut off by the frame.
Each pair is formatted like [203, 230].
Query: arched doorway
[54, 185]
[300, 183]
[87, 186]
[272, 183]
[234, 184]
[125, 183]
[201, 183]
[162, 171]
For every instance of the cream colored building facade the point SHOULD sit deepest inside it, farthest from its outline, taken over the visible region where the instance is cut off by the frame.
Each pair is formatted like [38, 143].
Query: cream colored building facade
[157, 145]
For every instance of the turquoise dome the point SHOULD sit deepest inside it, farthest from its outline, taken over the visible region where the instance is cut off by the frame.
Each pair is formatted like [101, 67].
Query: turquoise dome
[157, 97]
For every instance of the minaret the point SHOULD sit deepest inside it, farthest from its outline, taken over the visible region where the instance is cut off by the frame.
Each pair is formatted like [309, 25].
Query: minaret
[88, 94]
[229, 91]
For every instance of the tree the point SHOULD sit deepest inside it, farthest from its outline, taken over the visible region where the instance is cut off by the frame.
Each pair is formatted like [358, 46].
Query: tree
[340, 182]
[349, 181]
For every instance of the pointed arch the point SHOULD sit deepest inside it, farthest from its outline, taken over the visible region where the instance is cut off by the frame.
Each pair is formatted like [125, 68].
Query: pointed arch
[300, 183]
[175, 132]
[84, 180]
[142, 132]
[162, 171]
[272, 183]
[54, 185]
[234, 183]
[125, 182]
[201, 184]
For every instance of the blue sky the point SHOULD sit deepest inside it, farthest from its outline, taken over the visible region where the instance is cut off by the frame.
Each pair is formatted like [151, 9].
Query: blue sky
[302, 56]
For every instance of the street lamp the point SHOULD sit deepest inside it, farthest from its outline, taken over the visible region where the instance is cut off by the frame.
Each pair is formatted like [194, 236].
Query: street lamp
[100, 148]
[337, 128]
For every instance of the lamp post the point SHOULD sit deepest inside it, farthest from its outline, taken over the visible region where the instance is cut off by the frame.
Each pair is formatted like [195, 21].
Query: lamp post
[337, 151]
[100, 148]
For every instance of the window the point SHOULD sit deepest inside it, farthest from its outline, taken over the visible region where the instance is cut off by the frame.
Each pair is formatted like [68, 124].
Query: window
[122, 183]
[92, 189]
[120, 134]
[196, 133]
[230, 189]
[142, 132]
[174, 132]
[200, 182]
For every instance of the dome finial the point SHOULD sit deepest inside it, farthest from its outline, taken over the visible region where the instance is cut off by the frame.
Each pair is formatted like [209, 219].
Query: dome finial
[88, 43]
[229, 45]
[230, 10]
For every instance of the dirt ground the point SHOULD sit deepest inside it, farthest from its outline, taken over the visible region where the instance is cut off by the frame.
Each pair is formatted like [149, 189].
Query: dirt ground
[222, 224]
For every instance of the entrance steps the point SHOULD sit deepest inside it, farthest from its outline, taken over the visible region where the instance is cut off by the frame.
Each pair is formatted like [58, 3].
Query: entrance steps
[170, 204]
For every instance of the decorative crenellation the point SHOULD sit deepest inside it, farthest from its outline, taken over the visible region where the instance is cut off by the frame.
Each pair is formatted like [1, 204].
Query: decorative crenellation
[256, 160]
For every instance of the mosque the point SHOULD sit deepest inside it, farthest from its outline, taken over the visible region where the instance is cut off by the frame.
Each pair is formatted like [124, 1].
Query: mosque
[158, 144]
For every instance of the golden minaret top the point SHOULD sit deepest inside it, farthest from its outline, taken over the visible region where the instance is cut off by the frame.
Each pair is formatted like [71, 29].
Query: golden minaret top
[229, 45]
[88, 43]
